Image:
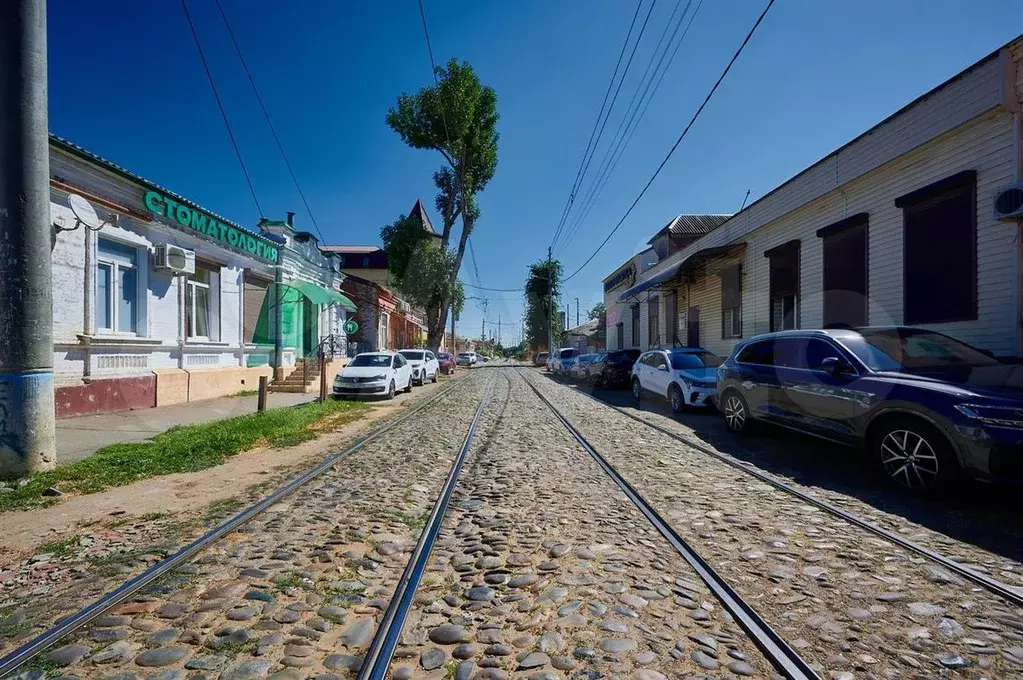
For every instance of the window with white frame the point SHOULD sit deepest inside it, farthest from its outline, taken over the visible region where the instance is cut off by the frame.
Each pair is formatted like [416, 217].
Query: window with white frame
[117, 288]
[201, 290]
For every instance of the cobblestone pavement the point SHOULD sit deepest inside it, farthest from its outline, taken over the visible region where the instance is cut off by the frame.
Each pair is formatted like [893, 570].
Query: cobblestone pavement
[848, 601]
[979, 527]
[295, 592]
[544, 569]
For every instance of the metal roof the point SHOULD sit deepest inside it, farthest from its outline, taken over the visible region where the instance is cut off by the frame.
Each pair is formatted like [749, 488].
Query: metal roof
[75, 150]
[694, 225]
[350, 249]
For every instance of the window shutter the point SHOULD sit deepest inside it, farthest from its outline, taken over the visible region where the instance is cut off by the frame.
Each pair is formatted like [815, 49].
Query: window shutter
[845, 277]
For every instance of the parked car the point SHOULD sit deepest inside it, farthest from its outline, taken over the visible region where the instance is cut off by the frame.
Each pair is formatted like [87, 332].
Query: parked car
[581, 368]
[540, 359]
[562, 359]
[466, 358]
[446, 363]
[374, 373]
[614, 368]
[686, 376]
[926, 407]
[424, 365]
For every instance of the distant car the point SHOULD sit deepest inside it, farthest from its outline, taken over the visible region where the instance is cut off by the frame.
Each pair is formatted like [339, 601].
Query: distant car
[466, 358]
[565, 360]
[581, 368]
[686, 376]
[540, 359]
[446, 363]
[484, 358]
[926, 407]
[614, 368]
[374, 373]
[424, 365]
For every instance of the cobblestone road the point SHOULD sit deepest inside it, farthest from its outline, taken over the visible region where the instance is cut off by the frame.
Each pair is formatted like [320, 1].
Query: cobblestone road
[850, 602]
[544, 569]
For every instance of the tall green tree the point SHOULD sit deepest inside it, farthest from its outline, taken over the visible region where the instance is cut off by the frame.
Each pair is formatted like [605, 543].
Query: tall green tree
[598, 311]
[457, 117]
[421, 270]
[543, 292]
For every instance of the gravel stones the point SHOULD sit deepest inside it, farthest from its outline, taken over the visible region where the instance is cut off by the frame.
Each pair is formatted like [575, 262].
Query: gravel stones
[67, 655]
[618, 645]
[448, 634]
[250, 669]
[533, 660]
[163, 656]
[432, 658]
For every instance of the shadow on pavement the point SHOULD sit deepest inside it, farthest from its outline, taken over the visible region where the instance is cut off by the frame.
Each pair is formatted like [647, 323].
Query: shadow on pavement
[987, 516]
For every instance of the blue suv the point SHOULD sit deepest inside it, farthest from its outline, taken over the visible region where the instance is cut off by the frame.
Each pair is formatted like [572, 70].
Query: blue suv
[926, 407]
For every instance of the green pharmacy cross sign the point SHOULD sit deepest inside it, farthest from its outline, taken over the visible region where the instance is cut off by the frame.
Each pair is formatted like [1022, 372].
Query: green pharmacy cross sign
[193, 218]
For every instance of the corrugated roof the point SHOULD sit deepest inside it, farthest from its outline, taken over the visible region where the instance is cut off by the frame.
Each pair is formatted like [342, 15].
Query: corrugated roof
[692, 225]
[350, 249]
[75, 150]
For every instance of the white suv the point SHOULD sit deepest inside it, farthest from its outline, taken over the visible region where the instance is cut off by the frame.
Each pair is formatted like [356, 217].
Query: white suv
[424, 365]
[686, 376]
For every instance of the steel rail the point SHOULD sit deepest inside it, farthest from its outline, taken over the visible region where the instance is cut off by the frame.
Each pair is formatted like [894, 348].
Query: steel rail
[1002, 590]
[767, 640]
[37, 645]
[378, 657]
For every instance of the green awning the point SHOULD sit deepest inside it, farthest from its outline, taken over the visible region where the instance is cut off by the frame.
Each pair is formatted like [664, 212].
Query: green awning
[321, 296]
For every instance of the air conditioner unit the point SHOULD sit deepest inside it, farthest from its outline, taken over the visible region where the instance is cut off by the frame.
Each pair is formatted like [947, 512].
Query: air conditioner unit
[1009, 203]
[175, 259]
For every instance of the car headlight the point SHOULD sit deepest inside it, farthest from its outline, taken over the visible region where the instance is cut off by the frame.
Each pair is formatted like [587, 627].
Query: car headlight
[997, 416]
[379, 377]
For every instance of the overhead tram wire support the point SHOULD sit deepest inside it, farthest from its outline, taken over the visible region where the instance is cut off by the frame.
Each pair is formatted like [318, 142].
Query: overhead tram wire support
[269, 122]
[682, 136]
[220, 105]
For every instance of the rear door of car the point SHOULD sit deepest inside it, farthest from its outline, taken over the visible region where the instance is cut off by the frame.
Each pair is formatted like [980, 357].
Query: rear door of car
[660, 373]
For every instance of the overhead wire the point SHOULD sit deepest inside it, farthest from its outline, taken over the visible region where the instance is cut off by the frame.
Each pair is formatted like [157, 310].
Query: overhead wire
[269, 122]
[682, 136]
[596, 124]
[618, 89]
[220, 105]
[628, 126]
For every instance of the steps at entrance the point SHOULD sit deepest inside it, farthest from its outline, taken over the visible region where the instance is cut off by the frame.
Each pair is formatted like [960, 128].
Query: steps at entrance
[299, 381]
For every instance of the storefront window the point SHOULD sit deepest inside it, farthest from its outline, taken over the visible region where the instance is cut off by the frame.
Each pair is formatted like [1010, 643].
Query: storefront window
[198, 303]
[116, 288]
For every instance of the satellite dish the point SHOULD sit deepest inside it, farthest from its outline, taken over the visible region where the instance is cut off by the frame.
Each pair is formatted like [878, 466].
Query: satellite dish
[84, 211]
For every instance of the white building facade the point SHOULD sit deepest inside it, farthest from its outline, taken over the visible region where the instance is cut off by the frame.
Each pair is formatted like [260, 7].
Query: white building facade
[899, 226]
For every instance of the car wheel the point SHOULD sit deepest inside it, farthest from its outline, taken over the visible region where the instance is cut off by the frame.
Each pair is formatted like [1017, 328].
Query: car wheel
[915, 456]
[637, 389]
[677, 399]
[434, 379]
[390, 391]
[736, 412]
[408, 388]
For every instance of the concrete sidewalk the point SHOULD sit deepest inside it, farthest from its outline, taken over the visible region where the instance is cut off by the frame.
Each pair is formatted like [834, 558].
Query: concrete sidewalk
[80, 437]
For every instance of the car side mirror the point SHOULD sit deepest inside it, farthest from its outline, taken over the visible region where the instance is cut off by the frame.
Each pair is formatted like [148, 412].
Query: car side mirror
[662, 367]
[835, 366]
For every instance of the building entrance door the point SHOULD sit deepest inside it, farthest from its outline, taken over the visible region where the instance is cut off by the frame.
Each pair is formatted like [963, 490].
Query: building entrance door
[693, 327]
[310, 327]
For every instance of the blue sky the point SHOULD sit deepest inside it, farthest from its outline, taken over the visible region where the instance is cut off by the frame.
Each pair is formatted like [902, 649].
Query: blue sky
[126, 83]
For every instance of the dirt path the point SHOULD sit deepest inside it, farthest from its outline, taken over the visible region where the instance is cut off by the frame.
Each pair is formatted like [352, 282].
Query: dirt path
[24, 531]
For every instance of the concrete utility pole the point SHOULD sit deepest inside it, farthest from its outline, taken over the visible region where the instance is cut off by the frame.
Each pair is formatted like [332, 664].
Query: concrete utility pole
[27, 438]
[577, 311]
[550, 304]
[499, 329]
[483, 333]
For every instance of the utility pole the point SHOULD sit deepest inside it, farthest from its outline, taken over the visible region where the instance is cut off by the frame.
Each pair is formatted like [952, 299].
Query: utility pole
[550, 304]
[27, 435]
[499, 329]
[483, 333]
[577, 311]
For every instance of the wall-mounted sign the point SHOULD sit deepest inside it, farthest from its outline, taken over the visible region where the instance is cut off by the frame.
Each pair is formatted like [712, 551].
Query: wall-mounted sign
[350, 327]
[192, 218]
[627, 275]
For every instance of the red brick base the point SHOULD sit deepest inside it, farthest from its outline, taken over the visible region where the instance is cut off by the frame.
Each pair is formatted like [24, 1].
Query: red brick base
[106, 396]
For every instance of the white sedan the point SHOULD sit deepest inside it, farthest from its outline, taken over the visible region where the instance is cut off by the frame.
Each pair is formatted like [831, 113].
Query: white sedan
[424, 365]
[374, 373]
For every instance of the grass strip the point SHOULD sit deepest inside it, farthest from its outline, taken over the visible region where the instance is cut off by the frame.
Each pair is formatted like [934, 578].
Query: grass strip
[184, 449]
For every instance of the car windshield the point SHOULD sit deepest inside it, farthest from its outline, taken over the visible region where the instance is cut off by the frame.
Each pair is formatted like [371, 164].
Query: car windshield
[688, 361]
[443, 356]
[463, 355]
[569, 353]
[380, 360]
[412, 355]
[909, 349]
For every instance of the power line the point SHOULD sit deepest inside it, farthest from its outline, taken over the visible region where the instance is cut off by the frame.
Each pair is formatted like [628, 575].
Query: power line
[682, 136]
[496, 290]
[269, 122]
[616, 150]
[220, 105]
[596, 123]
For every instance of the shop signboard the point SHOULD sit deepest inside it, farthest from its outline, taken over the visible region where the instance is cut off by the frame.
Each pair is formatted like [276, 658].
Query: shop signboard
[627, 275]
[192, 218]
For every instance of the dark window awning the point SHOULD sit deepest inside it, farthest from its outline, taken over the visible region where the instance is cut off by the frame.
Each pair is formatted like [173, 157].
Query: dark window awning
[705, 255]
[654, 281]
[319, 295]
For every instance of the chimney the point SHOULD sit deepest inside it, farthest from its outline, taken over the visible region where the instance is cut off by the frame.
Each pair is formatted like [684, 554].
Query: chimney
[291, 219]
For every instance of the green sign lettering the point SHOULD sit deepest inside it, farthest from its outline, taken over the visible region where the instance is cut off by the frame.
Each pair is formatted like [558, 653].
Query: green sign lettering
[192, 218]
